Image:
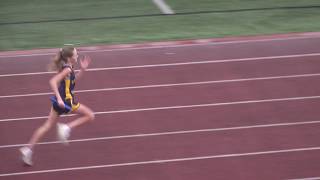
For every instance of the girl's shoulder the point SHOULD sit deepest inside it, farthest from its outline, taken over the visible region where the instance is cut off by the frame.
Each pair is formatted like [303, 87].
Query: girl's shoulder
[67, 66]
[66, 70]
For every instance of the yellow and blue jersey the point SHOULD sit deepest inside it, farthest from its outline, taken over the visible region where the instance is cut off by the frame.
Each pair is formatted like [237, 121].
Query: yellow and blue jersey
[67, 85]
[66, 88]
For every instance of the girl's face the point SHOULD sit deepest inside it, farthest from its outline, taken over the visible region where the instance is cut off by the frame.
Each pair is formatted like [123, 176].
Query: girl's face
[74, 58]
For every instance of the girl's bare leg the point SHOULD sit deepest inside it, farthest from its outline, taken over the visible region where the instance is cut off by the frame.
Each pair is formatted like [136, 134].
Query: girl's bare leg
[86, 116]
[42, 130]
[65, 129]
[37, 135]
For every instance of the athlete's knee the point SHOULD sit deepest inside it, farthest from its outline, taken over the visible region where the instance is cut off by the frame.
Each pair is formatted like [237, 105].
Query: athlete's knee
[91, 116]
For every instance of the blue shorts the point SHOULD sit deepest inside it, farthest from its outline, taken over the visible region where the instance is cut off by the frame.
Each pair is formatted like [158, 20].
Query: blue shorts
[70, 106]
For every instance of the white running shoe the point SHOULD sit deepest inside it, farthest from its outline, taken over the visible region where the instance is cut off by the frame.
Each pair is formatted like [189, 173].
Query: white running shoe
[63, 132]
[26, 155]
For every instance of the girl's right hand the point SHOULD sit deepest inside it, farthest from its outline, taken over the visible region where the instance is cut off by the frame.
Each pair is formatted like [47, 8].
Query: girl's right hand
[84, 62]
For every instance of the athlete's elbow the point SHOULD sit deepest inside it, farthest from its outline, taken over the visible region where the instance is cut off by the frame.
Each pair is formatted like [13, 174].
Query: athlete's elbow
[52, 82]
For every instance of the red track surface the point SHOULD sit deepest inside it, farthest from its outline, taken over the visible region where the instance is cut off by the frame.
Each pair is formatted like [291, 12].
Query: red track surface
[249, 110]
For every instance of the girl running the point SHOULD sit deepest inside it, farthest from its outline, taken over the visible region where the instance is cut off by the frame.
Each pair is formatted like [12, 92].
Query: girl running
[63, 101]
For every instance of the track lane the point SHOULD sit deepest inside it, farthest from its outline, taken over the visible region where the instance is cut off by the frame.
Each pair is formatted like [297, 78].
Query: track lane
[167, 147]
[165, 75]
[170, 55]
[264, 167]
[170, 96]
[108, 125]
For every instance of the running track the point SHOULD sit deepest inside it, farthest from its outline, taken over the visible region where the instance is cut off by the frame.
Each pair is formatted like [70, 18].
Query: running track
[240, 108]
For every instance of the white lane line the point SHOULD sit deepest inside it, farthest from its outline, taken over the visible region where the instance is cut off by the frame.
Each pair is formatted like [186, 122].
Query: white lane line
[308, 178]
[169, 85]
[178, 64]
[163, 6]
[177, 107]
[164, 161]
[26, 74]
[169, 46]
[171, 133]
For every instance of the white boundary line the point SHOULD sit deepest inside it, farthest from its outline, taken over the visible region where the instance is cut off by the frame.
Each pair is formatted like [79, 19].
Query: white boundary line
[309, 178]
[164, 161]
[170, 133]
[177, 64]
[171, 46]
[169, 85]
[177, 107]
[163, 6]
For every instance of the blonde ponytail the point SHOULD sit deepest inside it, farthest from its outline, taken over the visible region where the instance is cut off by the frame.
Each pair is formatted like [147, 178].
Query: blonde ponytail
[60, 59]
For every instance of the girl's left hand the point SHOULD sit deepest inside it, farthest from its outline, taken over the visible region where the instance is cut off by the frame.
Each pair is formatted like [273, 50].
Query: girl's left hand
[84, 63]
[61, 103]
